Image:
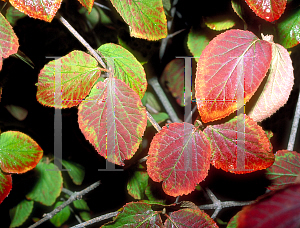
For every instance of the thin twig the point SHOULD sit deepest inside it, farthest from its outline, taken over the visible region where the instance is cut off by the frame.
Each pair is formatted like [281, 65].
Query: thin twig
[151, 109]
[73, 197]
[294, 128]
[80, 38]
[191, 114]
[97, 219]
[101, 6]
[154, 123]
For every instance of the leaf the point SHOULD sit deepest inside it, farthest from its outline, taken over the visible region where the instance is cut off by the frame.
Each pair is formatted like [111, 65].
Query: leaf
[137, 184]
[146, 18]
[18, 152]
[233, 221]
[153, 197]
[285, 169]
[179, 155]
[77, 73]
[88, 4]
[126, 67]
[13, 15]
[219, 22]
[278, 87]
[173, 75]
[159, 118]
[239, 10]
[75, 170]
[229, 71]
[62, 216]
[42, 9]
[190, 218]
[5, 185]
[136, 214]
[269, 10]
[197, 41]
[113, 119]
[288, 29]
[278, 209]
[8, 40]
[239, 146]
[48, 185]
[150, 99]
[20, 213]
[84, 209]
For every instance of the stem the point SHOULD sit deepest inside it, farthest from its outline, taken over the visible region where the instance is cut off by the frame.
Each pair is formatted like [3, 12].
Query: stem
[294, 128]
[191, 114]
[73, 197]
[154, 123]
[80, 38]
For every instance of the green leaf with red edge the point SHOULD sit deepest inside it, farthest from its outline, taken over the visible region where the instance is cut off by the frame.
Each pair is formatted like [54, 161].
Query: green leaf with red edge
[19, 214]
[42, 9]
[288, 29]
[75, 171]
[13, 15]
[233, 221]
[278, 86]
[126, 67]
[137, 184]
[219, 22]
[146, 18]
[173, 76]
[78, 71]
[9, 43]
[62, 216]
[238, 151]
[136, 214]
[190, 218]
[113, 119]
[48, 185]
[88, 4]
[179, 155]
[229, 71]
[285, 169]
[18, 152]
[278, 209]
[269, 10]
[5, 185]
[197, 41]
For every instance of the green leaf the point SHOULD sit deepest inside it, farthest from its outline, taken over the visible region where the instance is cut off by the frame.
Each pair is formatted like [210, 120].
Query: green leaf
[48, 186]
[13, 15]
[84, 209]
[197, 41]
[137, 54]
[167, 4]
[146, 18]
[62, 216]
[151, 100]
[20, 213]
[75, 170]
[158, 117]
[219, 22]
[137, 184]
[88, 4]
[5, 185]
[18, 152]
[125, 66]
[152, 197]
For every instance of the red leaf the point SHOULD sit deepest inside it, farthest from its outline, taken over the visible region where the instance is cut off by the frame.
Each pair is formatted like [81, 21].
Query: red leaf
[8, 40]
[190, 218]
[270, 10]
[229, 71]
[285, 169]
[113, 119]
[88, 4]
[5, 185]
[179, 155]
[41, 9]
[229, 140]
[278, 209]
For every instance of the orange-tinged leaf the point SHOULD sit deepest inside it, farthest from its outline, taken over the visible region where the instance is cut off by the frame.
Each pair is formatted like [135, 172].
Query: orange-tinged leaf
[278, 86]
[8, 40]
[78, 71]
[146, 18]
[5, 185]
[236, 139]
[179, 155]
[270, 10]
[41, 9]
[88, 4]
[113, 119]
[229, 71]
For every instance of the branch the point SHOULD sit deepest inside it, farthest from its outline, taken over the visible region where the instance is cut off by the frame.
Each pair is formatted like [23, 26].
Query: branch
[73, 197]
[294, 128]
[152, 120]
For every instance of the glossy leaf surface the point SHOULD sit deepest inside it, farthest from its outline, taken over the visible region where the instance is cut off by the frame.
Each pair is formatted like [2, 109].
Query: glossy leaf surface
[190, 218]
[238, 151]
[229, 71]
[270, 10]
[197, 41]
[136, 215]
[77, 72]
[19, 214]
[41, 9]
[113, 119]
[9, 43]
[179, 155]
[18, 152]
[285, 169]
[75, 170]
[5, 185]
[48, 185]
[62, 216]
[278, 209]
[126, 67]
[278, 85]
[146, 18]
